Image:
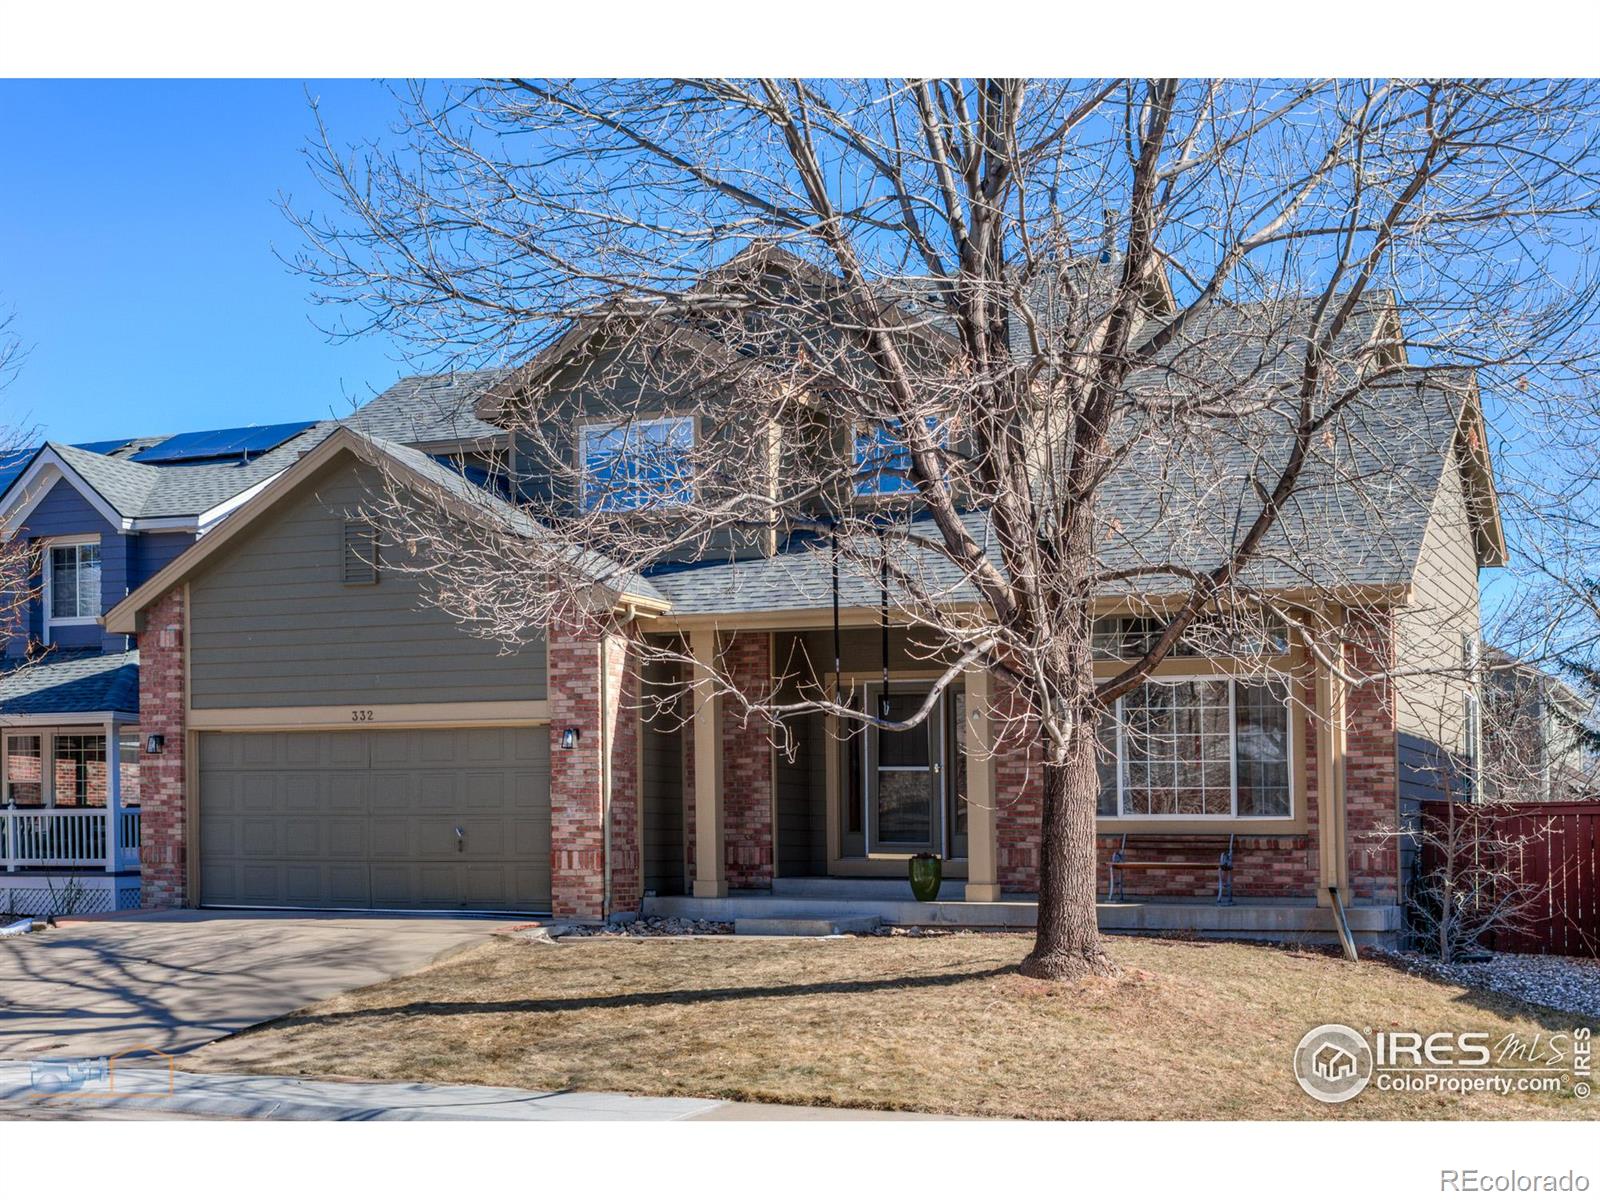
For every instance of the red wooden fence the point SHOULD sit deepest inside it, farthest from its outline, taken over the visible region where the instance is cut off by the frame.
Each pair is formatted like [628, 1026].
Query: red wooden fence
[1556, 855]
[1560, 855]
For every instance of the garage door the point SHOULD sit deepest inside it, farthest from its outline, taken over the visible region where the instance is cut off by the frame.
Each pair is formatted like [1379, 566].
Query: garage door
[406, 819]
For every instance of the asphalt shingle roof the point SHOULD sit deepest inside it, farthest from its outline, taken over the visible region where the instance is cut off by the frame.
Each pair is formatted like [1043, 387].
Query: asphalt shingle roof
[1357, 519]
[72, 682]
[139, 490]
[454, 484]
[424, 409]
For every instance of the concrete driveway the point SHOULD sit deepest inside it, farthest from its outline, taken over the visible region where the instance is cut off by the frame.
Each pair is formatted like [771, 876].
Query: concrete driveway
[174, 981]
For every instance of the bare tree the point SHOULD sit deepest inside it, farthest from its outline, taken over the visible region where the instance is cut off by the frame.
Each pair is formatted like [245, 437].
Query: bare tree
[1111, 340]
[18, 559]
[1473, 836]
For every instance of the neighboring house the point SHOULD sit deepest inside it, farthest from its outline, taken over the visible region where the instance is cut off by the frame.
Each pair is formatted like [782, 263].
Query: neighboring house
[103, 519]
[1537, 736]
[331, 738]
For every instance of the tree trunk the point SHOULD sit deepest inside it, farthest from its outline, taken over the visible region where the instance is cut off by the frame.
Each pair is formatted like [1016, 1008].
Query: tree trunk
[1067, 942]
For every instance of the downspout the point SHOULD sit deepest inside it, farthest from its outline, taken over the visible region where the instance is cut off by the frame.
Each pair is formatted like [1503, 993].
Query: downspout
[1342, 924]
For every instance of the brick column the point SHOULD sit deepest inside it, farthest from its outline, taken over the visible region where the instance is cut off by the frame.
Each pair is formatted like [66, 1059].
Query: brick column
[592, 678]
[745, 769]
[1018, 793]
[1371, 786]
[622, 715]
[164, 853]
[747, 784]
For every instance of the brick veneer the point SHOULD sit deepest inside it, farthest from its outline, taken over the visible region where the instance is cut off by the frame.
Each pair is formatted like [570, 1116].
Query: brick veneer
[1018, 792]
[1372, 763]
[1269, 866]
[583, 656]
[747, 765]
[164, 844]
[747, 783]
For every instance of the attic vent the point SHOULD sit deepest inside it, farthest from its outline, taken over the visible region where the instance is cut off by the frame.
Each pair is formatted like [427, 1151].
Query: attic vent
[360, 559]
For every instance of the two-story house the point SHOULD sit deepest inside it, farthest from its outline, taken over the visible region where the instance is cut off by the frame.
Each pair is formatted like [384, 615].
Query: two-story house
[316, 732]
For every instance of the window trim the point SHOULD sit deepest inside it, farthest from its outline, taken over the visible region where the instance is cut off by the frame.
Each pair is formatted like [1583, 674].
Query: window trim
[47, 589]
[859, 490]
[654, 421]
[1293, 765]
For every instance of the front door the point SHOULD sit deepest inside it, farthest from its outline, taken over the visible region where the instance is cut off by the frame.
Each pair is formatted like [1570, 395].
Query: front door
[905, 782]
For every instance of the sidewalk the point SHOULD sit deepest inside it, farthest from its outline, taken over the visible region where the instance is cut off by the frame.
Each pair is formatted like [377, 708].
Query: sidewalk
[269, 1097]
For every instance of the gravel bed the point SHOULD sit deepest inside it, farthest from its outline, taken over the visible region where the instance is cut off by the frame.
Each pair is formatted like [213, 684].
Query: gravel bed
[1570, 984]
[653, 927]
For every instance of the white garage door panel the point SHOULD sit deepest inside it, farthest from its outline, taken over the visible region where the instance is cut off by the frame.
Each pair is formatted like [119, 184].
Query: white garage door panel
[441, 819]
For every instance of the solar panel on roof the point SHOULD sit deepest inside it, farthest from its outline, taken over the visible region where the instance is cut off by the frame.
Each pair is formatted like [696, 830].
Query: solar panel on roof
[102, 447]
[11, 464]
[247, 441]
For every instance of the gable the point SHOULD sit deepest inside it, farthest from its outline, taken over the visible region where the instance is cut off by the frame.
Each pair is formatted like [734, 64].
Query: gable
[274, 624]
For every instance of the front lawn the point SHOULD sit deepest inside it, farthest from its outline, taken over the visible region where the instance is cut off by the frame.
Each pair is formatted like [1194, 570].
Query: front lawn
[1192, 1030]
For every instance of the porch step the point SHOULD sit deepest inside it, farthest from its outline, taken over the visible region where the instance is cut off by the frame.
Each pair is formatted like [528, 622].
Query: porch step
[1274, 920]
[803, 926]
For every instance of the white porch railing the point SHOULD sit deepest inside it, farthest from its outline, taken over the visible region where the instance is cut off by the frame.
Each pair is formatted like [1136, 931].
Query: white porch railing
[67, 837]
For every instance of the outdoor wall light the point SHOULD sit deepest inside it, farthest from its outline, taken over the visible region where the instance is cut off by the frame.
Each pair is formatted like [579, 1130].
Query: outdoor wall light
[569, 738]
[153, 743]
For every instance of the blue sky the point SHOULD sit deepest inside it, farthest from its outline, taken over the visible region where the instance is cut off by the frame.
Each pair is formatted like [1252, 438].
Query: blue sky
[137, 230]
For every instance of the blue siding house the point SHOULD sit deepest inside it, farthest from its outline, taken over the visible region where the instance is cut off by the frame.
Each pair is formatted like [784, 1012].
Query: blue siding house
[100, 520]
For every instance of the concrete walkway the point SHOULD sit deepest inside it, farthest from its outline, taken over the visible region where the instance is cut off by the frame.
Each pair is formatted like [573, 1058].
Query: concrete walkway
[173, 981]
[158, 1091]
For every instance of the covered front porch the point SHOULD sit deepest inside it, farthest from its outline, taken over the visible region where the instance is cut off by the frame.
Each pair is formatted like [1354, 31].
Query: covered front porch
[820, 822]
[70, 823]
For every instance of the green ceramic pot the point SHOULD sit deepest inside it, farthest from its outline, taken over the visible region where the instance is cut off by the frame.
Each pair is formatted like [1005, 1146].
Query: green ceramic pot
[927, 873]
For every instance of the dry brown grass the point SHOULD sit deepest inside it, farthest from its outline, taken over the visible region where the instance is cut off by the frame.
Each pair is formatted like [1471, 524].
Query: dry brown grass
[1190, 1031]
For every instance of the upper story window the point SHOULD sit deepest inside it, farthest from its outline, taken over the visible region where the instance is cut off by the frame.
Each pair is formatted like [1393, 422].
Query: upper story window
[882, 463]
[1214, 747]
[644, 464]
[72, 583]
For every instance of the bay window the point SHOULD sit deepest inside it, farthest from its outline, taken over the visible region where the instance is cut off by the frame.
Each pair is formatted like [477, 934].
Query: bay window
[643, 464]
[1198, 748]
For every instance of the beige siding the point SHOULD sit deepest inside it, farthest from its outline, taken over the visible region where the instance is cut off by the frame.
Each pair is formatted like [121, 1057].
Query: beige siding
[1430, 692]
[271, 625]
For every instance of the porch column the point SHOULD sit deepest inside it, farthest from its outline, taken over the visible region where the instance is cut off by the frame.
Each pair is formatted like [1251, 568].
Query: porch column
[710, 869]
[983, 846]
[1333, 861]
[113, 796]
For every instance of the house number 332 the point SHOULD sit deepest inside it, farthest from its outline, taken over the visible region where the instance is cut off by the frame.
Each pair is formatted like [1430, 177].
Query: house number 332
[360, 715]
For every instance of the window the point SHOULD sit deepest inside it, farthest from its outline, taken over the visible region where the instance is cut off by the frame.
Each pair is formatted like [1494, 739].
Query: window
[79, 767]
[359, 554]
[1197, 748]
[72, 583]
[24, 770]
[644, 464]
[129, 742]
[882, 463]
